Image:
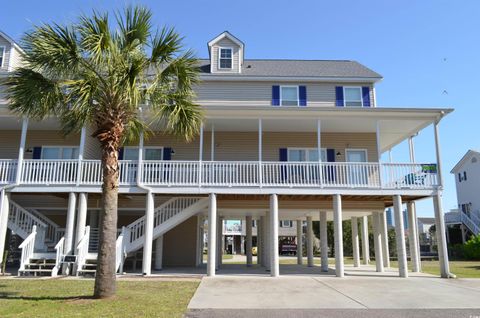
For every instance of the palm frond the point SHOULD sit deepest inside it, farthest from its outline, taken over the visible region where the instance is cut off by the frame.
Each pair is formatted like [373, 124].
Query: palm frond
[164, 45]
[134, 25]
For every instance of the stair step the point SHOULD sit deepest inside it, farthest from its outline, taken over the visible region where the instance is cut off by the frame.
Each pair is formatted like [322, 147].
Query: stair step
[90, 266]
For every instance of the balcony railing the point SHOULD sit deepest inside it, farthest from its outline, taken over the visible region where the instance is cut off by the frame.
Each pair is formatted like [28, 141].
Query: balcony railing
[228, 174]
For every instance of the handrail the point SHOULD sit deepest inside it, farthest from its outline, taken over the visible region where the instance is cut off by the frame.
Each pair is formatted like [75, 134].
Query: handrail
[58, 256]
[82, 249]
[27, 247]
[120, 251]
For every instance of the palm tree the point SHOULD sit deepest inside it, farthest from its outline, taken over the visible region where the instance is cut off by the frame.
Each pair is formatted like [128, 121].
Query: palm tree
[99, 73]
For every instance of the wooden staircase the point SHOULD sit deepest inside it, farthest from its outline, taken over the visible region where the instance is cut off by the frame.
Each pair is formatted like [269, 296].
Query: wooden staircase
[40, 264]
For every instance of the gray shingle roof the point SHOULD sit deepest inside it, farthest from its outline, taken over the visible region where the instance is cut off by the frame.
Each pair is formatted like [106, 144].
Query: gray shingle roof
[300, 68]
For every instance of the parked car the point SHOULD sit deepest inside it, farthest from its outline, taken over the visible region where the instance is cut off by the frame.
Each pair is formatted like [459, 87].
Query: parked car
[254, 251]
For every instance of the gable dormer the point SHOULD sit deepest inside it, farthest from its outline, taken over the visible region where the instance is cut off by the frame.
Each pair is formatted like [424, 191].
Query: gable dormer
[226, 54]
[10, 53]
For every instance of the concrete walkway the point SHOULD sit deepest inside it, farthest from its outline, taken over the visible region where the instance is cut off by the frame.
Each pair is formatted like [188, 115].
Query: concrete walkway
[361, 289]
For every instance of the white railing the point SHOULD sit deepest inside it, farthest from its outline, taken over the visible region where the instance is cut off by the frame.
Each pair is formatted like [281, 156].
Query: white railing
[51, 229]
[58, 256]
[49, 171]
[234, 174]
[453, 217]
[23, 221]
[82, 249]
[470, 223]
[120, 253]
[161, 214]
[94, 239]
[28, 248]
[8, 169]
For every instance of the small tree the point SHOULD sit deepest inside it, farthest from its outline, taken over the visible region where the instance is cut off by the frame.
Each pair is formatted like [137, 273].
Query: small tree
[99, 73]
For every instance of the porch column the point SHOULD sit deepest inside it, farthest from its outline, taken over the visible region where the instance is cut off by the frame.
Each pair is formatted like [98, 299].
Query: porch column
[309, 241]
[70, 225]
[212, 233]
[384, 235]
[355, 242]
[365, 241]
[413, 237]
[400, 236]
[4, 211]
[377, 242]
[220, 240]
[147, 244]
[268, 240]
[441, 237]
[212, 144]
[462, 229]
[299, 242]
[439, 217]
[323, 241]
[260, 152]
[249, 240]
[21, 150]
[274, 263]
[82, 217]
[159, 253]
[338, 233]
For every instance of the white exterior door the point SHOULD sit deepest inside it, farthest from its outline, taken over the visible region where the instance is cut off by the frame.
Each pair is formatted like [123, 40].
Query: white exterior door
[357, 174]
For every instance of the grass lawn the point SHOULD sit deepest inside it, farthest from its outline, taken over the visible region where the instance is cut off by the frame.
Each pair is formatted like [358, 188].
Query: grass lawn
[71, 298]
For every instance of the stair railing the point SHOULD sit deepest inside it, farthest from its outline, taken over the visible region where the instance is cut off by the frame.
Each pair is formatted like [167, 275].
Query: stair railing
[120, 252]
[470, 224]
[52, 227]
[58, 257]
[82, 249]
[23, 219]
[27, 247]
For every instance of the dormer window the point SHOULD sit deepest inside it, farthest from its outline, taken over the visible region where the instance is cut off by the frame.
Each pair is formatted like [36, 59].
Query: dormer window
[2, 55]
[225, 58]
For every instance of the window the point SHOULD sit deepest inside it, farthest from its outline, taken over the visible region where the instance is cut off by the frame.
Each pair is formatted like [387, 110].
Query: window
[254, 223]
[225, 61]
[149, 153]
[459, 177]
[465, 175]
[306, 154]
[2, 55]
[50, 152]
[353, 96]
[289, 95]
[286, 223]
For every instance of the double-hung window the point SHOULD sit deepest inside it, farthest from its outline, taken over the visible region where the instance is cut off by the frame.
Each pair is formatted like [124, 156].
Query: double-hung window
[54, 152]
[286, 223]
[306, 154]
[225, 60]
[353, 96]
[289, 96]
[2, 56]
[149, 153]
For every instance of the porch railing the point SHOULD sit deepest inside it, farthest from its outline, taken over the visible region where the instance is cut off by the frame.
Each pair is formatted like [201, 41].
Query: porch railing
[234, 174]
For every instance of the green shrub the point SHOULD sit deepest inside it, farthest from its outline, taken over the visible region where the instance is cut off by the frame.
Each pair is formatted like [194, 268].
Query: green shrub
[472, 248]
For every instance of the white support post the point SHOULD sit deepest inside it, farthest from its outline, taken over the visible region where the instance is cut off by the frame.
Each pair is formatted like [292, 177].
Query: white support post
[299, 242]
[199, 240]
[81, 151]
[377, 242]
[413, 237]
[82, 217]
[323, 241]
[268, 240]
[212, 144]
[309, 241]
[441, 237]
[411, 148]
[384, 235]
[248, 244]
[355, 242]
[365, 241]
[338, 234]
[4, 211]
[319, 151]
[212, 234]
[220, 241]
[21, 150]
[379, 153]
[200, 156]
[148, 243]
[400, 236]
[274, 262]
[260, 152]
[70, 224]
[159, 253]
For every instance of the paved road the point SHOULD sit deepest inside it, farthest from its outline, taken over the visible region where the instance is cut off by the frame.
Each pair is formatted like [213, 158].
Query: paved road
[333, 313]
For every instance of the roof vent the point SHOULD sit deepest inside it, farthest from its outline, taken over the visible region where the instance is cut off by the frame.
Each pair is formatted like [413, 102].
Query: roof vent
[249, 66]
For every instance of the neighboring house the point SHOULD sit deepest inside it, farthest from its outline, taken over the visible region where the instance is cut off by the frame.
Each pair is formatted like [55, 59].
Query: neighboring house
[466, 220]
[281, 140]
[426, 241]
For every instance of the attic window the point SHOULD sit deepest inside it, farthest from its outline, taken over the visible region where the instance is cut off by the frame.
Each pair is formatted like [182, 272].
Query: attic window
[2, 55]
[225, 58]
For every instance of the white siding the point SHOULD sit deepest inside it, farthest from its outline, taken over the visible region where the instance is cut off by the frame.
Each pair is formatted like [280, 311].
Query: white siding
[214, 59]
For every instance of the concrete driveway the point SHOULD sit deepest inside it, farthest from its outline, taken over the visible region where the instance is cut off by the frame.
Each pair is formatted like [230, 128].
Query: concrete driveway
[359, 290]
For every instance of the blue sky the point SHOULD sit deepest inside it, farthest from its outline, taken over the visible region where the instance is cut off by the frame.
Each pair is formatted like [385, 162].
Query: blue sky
[427, 50]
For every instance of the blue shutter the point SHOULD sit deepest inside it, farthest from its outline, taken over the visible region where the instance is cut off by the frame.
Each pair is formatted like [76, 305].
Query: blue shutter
[331, 155]
[276, 95]
[339, 102]
[366, 96]
[329, 173]
[302, 92]
[120, 153]
[283, 152]
[167, 153]
[37, 153]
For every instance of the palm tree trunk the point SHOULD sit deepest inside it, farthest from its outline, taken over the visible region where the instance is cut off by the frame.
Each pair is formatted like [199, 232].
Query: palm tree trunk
[105, 279]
